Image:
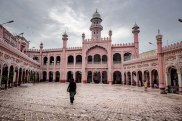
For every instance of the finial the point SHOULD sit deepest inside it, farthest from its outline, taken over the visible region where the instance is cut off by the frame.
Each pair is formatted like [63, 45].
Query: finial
[158, 31]
[96, 10]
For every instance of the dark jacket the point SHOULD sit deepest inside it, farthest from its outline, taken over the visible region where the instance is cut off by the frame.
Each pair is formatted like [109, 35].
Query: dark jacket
[72, 87]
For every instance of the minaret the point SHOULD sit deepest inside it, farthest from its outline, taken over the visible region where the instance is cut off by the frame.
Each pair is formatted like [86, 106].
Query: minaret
[41, 47]
[65, 38]
[83, 36]
[96, 26]
[110, 34]
[41, 60]
[160, 63]
[136, 43]
[63, 58]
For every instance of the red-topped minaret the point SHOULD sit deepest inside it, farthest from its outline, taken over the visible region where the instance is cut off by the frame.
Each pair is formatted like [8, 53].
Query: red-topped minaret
[135, 33]
[96, 26]
[160, 56]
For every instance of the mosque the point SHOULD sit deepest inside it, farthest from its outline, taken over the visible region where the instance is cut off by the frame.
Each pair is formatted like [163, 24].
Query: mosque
[97, 61]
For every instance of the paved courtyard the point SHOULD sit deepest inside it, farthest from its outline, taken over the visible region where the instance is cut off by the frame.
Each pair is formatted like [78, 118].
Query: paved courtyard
[50, 102]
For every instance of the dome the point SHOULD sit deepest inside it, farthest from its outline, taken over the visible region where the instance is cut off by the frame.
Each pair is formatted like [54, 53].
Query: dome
[96, 15]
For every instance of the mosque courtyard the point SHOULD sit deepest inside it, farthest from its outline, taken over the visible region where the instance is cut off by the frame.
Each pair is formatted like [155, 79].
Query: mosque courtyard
[93, 102]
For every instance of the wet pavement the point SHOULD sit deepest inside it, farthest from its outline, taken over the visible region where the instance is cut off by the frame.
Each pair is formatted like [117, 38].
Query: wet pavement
[93, 102]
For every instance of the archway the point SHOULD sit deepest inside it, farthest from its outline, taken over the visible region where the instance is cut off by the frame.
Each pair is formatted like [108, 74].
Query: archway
[104, 59]
[104, 77]
[58, 60]
[70, 59]
[4, 76]
[97, 77]
[125, 78]
[140, 79]
[134, 79]
[11, 76]
[78, 59]
[117, 77]
[23, 77]
[16, 76]
[69, 76]
[97, 58]
[45, 60]
[127, 56]
[116, 58]
[89, 77]
[51, 60]
[50, 76]
[44, 75]
[78, 77]
[20, 77]
[26, 76]
[35, 58]
[147, 77]
[173, 86]
[129, 78]
[57, 76]
[89, 59]
[155, 79]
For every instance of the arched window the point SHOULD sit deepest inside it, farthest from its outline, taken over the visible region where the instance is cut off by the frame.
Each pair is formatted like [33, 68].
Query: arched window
[58, 60]
[127, 56]
[89, 59]
[51, 60]
[116, 58]
[70, 59]
[97, 58]
[104, 59]
[78, 59]
[45, 60]
[35, 58]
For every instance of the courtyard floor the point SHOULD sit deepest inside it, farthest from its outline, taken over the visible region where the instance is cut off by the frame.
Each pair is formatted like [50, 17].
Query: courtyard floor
[93, 102]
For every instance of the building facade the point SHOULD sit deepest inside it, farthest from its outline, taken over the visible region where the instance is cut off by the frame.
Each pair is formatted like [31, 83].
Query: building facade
[97, 61]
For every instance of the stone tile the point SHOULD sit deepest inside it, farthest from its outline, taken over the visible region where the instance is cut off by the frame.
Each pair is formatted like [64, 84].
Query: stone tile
[50, 102]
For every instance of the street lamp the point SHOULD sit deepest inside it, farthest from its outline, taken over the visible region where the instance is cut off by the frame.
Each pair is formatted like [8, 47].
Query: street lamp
[180, 20]
[7, 22]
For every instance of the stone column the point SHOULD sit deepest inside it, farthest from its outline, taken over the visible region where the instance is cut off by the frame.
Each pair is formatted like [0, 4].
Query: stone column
[167, 76]
[92, 77]
[137, 79]
[54, 76]
[180, 82]
[122, 77]
[150, 78]
[47, 77]
[131, 78]
[100, 77]
[54, 70]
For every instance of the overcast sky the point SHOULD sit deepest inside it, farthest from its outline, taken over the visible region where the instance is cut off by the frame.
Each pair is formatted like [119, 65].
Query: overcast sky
[46, 20]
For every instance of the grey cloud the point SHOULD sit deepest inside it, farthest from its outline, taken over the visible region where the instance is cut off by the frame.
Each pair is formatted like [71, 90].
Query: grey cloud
[32, 18]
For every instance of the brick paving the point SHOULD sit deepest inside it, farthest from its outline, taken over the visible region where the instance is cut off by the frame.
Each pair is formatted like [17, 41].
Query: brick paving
[93, 102]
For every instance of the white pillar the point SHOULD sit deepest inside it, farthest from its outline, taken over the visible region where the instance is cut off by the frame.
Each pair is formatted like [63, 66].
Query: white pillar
[150, 78]
[180, 82]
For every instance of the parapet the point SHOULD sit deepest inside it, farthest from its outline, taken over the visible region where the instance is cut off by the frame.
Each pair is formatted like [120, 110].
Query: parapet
[123, 45]
[52, 50]
[174, 46]
[100, 40]
[74, 48]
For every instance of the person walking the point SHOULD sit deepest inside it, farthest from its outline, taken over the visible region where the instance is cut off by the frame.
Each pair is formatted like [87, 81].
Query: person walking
[72, 90]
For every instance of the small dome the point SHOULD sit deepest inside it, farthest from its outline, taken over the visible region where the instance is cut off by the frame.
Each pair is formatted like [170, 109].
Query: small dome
[96, 15]
[135, 26]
